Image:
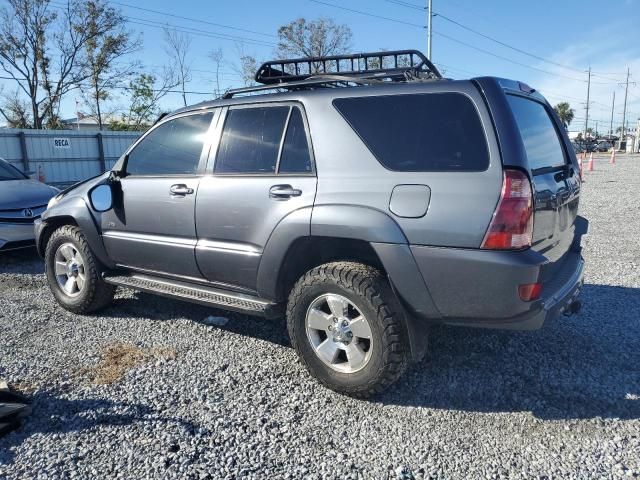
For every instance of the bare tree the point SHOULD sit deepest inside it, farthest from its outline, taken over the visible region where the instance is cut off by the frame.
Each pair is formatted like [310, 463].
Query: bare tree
[16, 111]
[43, 51]
[109, 42]
[217, 57]
[246, 65]
[317, 38]
[177, 47]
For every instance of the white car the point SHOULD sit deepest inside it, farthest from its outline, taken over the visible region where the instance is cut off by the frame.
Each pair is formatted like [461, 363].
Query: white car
[22, 200]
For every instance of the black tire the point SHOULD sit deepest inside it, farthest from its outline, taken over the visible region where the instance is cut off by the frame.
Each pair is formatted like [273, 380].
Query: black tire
[368, 290]
[95, 293]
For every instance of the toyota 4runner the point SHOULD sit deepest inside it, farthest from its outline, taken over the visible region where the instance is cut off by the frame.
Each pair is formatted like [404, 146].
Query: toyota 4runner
[363, 196]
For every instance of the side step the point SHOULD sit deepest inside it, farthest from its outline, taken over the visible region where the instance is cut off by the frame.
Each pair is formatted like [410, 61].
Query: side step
[202, 294]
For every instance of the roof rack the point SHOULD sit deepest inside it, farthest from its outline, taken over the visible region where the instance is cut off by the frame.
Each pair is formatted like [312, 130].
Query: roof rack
[336, 70]
[381, 64]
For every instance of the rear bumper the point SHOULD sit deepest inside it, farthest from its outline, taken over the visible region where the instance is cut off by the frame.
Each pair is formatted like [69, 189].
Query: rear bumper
[16, 235]
[479, 288]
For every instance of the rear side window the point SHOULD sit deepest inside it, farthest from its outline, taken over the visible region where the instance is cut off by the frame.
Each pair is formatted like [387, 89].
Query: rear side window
[173, 148]
[419, 133]
[251, 140]
[295, 150]
[541, 142]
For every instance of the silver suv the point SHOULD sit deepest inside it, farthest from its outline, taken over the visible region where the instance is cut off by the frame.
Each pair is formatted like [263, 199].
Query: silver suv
[366, 202]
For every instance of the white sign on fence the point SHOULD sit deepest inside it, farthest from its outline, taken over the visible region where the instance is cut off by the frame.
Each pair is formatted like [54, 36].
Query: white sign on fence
[61, 143]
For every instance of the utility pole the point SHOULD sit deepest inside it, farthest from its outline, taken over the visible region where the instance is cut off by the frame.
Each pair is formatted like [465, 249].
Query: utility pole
[429, 30]
[613, 104]
[624, 113]
[586, 117]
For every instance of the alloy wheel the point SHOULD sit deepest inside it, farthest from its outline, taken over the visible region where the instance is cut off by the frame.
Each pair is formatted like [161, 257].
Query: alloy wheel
[339, 333]
[69, 269]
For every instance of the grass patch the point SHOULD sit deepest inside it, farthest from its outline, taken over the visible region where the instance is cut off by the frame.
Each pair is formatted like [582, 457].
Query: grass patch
[118, 358]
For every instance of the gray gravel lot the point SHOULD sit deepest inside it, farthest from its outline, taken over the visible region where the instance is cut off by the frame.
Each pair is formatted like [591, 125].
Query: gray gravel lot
[205, 401]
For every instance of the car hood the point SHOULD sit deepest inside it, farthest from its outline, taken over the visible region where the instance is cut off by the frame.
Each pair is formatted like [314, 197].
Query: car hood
[15, 194]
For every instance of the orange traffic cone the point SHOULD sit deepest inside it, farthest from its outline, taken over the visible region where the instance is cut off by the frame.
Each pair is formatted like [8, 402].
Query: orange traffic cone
[591, 162]
[41, 177]
[613, 157]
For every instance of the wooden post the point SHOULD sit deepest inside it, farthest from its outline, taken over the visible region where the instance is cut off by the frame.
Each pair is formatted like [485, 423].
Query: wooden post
[103, 165]
[23, 149]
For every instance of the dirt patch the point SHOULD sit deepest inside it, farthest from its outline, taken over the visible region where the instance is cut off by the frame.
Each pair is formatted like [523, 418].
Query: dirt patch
[118, 358]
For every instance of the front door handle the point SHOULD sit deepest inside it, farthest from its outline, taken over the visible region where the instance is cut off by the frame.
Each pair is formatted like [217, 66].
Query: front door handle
[283, 192]
[180, 189]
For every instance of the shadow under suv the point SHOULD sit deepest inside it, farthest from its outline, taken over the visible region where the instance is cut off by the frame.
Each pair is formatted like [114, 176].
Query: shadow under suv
[365, 203]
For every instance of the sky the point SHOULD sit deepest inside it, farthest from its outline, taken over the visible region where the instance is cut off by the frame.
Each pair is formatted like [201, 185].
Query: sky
[546, 44]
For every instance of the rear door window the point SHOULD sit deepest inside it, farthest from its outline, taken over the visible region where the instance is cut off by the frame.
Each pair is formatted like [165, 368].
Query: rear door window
[541, 142]
[421, 132]
[251, 140]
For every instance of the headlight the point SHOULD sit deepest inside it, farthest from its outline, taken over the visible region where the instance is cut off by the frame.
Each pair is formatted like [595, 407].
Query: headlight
[53, 202]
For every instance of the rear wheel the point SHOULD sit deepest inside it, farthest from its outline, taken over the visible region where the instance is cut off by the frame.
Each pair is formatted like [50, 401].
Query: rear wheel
[74, 273]
[347, 327]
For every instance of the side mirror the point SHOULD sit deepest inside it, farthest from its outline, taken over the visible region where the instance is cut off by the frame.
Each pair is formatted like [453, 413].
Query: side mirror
[101, 198]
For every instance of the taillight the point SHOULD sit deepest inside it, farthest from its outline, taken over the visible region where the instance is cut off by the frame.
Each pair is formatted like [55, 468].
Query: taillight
[512, 223]
[530, 291]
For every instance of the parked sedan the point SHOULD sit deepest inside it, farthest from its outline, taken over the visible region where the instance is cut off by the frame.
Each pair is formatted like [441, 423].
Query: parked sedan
[22, 200]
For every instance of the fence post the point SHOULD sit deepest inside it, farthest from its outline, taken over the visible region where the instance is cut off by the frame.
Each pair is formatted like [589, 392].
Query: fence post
[23, 148]
[103, 165]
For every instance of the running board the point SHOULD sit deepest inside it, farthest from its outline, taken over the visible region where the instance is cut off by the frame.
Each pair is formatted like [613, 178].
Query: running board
[191, 292]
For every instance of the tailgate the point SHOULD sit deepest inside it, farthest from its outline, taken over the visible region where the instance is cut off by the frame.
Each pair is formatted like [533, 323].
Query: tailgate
[556, 182]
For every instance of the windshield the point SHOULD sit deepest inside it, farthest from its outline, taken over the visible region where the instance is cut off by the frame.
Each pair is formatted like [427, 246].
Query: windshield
[9, 172]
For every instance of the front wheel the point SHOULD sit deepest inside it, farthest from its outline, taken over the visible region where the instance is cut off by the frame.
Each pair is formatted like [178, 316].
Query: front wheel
[347, 327]
[74, 273]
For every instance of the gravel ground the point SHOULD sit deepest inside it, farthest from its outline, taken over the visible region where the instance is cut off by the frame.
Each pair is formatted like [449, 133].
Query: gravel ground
[151, 389]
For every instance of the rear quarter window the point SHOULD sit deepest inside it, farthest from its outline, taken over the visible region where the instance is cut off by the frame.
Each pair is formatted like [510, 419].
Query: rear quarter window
[541, 142]
[421, 132]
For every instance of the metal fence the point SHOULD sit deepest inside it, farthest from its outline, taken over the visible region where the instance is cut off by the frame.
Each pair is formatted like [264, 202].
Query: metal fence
[62, 157]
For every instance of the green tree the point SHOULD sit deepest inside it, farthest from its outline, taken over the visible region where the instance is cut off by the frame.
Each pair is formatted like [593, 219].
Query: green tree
[317, 38]
[146, 91]
[565, 112]
[109, 41]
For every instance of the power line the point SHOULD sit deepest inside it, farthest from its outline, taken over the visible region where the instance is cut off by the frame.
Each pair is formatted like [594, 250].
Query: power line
[407, 4]
[505, 58]
[499, 42]
[452, 39]
[537, 57]
[185, 29]
[368, 14]
[119, 87]
[191, 19]
[196, 31]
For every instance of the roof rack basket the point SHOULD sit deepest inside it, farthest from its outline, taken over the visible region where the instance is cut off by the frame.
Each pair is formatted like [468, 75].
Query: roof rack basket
[341, 70]
[397, 64]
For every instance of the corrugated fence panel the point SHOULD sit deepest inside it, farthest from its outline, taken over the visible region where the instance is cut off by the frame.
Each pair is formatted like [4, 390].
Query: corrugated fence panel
[10, 147]
[115, 144]
[64, 156]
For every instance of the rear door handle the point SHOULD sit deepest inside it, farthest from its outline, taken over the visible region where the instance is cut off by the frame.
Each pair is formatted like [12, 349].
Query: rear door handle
[180, 189]
[283, 192]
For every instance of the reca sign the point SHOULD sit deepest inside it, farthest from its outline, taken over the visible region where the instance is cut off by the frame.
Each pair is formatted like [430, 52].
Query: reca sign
[61, 143]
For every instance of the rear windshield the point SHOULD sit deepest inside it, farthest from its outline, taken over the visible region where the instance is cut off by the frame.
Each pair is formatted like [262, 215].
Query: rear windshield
[540, 137]
[421, 132]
